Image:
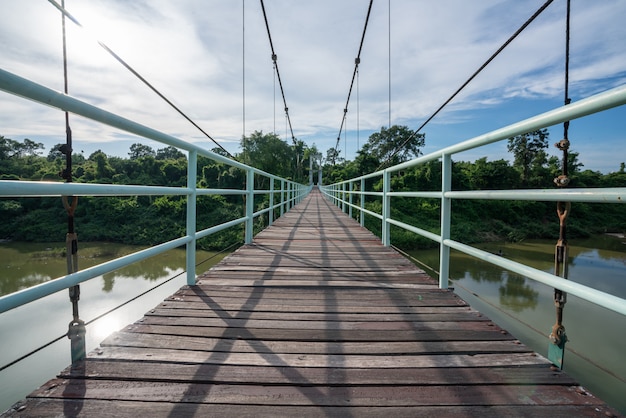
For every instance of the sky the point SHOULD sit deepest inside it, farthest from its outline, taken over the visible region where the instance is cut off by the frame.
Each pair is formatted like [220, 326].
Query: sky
[212, 58]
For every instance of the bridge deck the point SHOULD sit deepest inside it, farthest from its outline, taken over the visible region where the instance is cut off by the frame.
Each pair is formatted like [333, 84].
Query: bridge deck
[315, 318]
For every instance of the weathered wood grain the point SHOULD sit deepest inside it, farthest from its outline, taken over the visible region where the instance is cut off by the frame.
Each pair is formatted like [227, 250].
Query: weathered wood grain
[315, 318]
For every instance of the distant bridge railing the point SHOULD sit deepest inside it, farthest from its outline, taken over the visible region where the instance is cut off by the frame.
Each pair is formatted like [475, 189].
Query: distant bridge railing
[350, 194]
[282, 193]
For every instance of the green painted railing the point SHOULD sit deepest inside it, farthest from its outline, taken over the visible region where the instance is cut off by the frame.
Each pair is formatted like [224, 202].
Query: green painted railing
[282, 193]
[344, 194]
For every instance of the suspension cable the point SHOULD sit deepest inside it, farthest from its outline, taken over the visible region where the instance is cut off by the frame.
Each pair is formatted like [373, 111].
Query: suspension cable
[482, 67]
[358, 114]
[139, 76]
[357, 61]
[280, 83]
[274, 76]
[557, 337]
[243, 76]
[76, 329]
[389, 58]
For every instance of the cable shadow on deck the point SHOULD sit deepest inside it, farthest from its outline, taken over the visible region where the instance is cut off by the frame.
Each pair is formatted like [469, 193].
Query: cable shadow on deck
[235, 331]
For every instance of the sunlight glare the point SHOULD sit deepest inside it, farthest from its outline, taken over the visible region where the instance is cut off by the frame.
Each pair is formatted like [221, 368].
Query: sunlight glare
[104, 327]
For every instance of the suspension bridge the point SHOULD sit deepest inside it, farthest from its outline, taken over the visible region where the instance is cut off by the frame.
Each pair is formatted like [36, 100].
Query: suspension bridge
[313, 316]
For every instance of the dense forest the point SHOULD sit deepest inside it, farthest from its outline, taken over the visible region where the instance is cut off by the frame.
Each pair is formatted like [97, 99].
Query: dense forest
[154, 219]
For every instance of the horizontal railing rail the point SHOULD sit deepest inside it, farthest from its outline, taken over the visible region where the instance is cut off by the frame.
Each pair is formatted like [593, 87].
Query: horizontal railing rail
[281, 198]
[341, 193]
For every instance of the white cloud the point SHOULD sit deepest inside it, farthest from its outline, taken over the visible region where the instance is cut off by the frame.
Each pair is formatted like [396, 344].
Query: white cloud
[191, 50]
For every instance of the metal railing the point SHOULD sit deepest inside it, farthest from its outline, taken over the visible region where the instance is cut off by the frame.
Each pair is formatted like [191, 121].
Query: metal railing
[282, 193]
[342, 193]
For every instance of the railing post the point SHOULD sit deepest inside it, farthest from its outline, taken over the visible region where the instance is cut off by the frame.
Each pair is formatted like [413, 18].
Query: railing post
[271, 213]
[350, 190]
[343, 197]
[362, 203]
[289, 195]
[282, 197]
[192, 173]
[386, 208]
[249, 206]
[446, 206]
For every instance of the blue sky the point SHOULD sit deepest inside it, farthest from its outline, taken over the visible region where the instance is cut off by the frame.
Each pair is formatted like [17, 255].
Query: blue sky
[193, 50]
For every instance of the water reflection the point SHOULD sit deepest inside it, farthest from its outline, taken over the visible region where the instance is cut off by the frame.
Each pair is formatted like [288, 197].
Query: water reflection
[8, 285]
[516, 294]
[600, 267]
[24, 265]
[148, 270]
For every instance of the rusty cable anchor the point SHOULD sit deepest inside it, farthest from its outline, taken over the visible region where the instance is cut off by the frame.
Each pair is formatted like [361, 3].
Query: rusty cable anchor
[557, 336]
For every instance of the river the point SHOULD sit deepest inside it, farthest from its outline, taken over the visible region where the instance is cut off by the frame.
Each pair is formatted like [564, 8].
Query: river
[595, 351]
[28, 327]
[596, 348]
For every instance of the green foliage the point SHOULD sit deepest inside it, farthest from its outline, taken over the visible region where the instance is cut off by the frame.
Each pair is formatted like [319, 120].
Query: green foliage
[271, 154]
[528, 152]
[138, 151]
[395, 144]
[155, 219]
[143, 220]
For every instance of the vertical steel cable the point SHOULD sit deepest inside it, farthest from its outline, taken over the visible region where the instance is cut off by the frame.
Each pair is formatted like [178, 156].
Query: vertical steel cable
[358, 116]
[557, 337]
[76, 328]
[243, 76]
[389, 58]
[274, 66]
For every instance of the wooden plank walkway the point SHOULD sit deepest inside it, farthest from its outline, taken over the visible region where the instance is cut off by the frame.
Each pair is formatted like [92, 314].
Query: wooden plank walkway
[314, 318]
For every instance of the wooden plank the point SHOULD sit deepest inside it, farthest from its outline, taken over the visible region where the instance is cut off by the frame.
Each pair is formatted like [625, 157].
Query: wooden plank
[325, 316]
[321, 335]
[314, 318]
[321, 360]
[288, 307]
[127, 339]
[327, 325]
[133, 409]
[279, 395]
[233, 374]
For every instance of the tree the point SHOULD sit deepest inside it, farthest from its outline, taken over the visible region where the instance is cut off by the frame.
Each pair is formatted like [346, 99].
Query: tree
[55, 153]
[366, 162]
[332, 155]
[104, 171]
[168, 153]
[528, 152]
[395, 144]
[30, 148]
[299, 149]
[269, 153]
[10, 148]
[140, 151]
[7, 147]
[485, 175]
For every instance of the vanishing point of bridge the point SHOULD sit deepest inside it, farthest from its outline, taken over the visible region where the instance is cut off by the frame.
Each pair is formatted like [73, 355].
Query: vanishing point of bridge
[314, 318]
